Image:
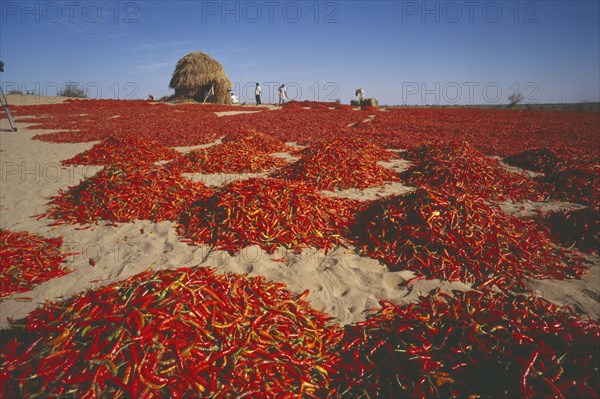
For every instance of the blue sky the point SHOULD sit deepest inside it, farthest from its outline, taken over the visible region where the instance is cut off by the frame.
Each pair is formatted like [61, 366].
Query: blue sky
[400, 52]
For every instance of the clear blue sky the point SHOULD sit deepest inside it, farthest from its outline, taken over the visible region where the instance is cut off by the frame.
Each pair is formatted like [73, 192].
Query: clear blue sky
[400, 52]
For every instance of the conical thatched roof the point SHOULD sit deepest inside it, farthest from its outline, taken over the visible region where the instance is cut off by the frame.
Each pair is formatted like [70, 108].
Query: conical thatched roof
[194, 76]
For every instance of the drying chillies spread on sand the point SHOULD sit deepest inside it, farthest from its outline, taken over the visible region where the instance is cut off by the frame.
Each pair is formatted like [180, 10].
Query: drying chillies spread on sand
[27, 259]
[569, 174]
[193, 332]
[125, 193]
[321, 105]
[580, 184]
[258, 141]
[579, 228]
[459, 168]
[93, 120]
[549, 160]
[459, 237]
[230, 157]
[128, 149]
[173, 333]
[340, 163]
[492, 131]
[498, 132]
[476, 345]
[269, 213]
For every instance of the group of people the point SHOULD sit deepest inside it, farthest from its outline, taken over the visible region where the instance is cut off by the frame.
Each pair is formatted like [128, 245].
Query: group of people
[258, 92]
[282, 94]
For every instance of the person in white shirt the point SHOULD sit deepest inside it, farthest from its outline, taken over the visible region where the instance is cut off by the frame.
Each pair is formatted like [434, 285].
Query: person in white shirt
[282, 95]
[360, 93]
[234, 99]
[257, 92]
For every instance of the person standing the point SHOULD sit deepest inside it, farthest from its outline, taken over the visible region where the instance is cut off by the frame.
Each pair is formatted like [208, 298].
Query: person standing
[257, 92]
[360, 93]
[282, 95]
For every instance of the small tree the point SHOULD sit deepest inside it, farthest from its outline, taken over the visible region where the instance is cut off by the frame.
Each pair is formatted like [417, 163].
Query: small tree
[514, 99]
[355, 103]
[71, 90]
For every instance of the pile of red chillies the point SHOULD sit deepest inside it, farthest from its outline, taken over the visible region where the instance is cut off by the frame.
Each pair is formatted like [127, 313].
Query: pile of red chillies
[27, 259]
[471, 344]
[569, 175]
[230, 157]
[581, 184]
[549, 160]
[194, 332]
[340, 163]
[459, 237]
[269, 213]
[574, 228]
[459, 168]
[125, 193]
[128, 149]
[257, 141]
[173, 333]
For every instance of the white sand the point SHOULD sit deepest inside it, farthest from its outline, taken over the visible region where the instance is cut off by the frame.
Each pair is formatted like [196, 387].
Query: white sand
[341, 283]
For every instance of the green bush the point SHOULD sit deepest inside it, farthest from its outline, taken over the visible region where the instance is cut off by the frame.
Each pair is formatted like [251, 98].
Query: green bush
[71, 90]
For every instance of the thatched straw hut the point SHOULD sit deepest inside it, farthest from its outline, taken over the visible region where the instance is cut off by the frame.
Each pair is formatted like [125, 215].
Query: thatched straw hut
[195, 75]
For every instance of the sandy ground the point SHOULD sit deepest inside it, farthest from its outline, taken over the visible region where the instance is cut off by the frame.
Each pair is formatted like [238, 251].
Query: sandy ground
[341, 283]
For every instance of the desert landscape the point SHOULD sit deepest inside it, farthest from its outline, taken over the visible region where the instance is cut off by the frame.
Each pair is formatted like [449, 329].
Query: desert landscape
[299, 199]
[154, 249]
